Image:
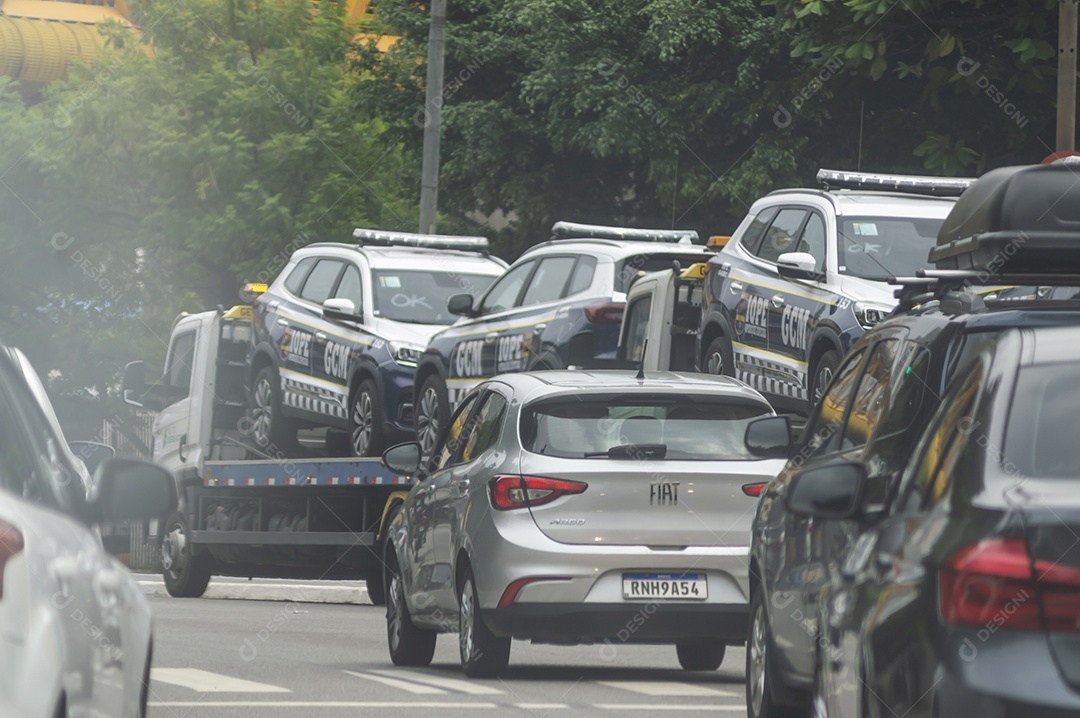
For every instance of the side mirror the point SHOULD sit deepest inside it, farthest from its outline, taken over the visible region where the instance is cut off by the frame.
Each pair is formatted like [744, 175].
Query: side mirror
[92, 453]
[337, 308]
[461, 305]
[403, 458]
[797, 265]
[769, 437]
[831, 491]
[133, 490]
[133, 385]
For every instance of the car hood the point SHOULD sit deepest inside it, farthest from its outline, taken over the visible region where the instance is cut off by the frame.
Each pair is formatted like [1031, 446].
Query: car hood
[868, 290]
[416, 334]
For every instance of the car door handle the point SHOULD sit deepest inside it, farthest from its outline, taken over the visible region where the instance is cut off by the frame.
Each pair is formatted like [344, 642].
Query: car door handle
[282, 322]
[736, 286]
[539, 328]
[320, 336]
[777, 300]
[462, 488]
[492, 335]
[274, 304]
[180, 449]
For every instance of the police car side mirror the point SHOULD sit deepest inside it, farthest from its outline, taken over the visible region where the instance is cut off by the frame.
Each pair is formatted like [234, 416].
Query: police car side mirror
[461, 305]
[769, 437]
[337, 308]
[797, 265]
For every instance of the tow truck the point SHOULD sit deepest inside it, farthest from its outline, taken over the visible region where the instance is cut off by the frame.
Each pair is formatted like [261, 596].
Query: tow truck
[242, 511]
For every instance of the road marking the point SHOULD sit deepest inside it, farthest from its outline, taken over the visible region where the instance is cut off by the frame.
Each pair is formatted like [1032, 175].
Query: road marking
[542, 706]
[453, 684]
[207, 682]
[660, 708]
[318, 704]
[665, 688]
[400, 685]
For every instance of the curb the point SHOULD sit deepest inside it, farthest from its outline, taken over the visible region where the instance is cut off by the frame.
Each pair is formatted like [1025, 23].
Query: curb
[272, 592]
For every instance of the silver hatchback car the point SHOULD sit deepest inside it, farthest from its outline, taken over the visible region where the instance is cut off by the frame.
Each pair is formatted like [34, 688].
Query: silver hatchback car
[577, 507]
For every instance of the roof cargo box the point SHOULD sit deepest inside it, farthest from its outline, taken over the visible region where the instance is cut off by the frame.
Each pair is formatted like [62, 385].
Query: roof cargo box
[1015, 220]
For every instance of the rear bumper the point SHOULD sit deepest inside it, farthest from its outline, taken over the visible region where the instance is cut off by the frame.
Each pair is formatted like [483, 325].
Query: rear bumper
[619, 623]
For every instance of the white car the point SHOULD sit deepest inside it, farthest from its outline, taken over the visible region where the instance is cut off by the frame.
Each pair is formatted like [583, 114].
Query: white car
[75, 634]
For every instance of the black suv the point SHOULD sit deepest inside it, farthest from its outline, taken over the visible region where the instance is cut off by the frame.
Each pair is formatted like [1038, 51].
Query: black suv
[1007, 229]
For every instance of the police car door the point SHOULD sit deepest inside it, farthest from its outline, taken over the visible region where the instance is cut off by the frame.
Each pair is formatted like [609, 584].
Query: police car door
[794, 311]
[306, 382]
[344, 342]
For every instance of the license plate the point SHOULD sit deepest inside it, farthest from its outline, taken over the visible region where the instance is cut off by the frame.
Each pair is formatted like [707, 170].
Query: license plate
[664, 586]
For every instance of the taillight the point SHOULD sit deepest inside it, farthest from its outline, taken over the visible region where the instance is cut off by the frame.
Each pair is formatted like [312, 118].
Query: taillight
[518, 492]
[512, 591]
[753, 489]
[11, 545]
[604, 313]
[991, 584]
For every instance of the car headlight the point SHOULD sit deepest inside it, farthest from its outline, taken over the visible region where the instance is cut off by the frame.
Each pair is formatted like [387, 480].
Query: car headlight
[870, 314]
[406, 354]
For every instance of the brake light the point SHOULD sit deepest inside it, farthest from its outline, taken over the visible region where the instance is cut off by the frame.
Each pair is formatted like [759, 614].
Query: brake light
[992, 584]
[753, 489]
[604, 313]
[11, 545]
[518, 492]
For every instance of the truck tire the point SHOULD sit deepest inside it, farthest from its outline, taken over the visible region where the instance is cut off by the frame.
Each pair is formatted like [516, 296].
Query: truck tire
[821, 375]
[483, 654]
[270, 430]
[366, 421]
[719, 359]
[186, 573]
[409, 645]
[432, 412]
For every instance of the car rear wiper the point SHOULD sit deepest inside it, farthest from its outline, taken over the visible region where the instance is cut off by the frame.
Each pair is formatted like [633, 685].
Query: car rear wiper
[632, 451]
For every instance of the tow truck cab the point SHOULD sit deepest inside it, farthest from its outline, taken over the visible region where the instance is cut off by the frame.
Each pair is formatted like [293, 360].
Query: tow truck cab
[663, 312]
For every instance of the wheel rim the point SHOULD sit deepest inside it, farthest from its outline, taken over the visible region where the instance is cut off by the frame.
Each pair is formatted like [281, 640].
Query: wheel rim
[823, 378]
[468, 622]
[262, 413]
[363, 420]
[715, 363]
[394, 612]
[172, 550]
[427, 420]
[756, 678]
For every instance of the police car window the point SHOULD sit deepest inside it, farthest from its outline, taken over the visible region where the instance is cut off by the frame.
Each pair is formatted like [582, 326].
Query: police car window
[296, 277]
[780, 237]
[350, 287]
[821, 432]
[871, 397]
[456, 433]
[583, 275]
[637, 327]
[181, 359]
[486, 427]
[883, 247]
[549, 280]
[505, 292]
[320, 282]
[812, 240]
[753, 234]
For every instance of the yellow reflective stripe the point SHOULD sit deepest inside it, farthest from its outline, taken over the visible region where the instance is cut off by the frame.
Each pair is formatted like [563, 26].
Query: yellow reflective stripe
[532, 323]
[741, 278]
[768, 353]
[325, 331]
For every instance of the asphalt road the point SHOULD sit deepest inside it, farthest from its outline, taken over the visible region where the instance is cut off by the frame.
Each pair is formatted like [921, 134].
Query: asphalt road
[218, 658]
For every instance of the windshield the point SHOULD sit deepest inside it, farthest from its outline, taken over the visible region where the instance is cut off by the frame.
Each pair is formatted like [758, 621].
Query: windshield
[420, 296]
[883, 247]
[1040, 441]
[628, 268]
[660, 427]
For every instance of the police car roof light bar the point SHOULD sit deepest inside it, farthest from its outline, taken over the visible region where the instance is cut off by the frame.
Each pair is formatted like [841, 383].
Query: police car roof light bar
[378, 238]
[911, 184]
[574, 230]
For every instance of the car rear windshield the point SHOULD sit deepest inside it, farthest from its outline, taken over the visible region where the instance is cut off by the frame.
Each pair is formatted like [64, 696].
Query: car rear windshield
[883, 247]
[1041, 438]
[628, 268]
[686, 427]
[419, 297]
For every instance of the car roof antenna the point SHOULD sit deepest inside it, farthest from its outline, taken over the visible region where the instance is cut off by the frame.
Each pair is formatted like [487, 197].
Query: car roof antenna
[641, 367]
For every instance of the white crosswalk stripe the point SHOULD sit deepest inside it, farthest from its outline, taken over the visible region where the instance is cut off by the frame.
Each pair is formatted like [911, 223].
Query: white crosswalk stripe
[453, 684]
[418, 689]
[665, 688]
[207, 682]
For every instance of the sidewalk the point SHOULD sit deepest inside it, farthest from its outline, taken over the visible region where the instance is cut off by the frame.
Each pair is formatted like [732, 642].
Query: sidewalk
[268, 589]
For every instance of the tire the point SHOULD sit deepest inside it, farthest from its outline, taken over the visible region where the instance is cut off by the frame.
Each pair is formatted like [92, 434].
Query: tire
[366, 421]
[761, 673]
[822, 374]
[270, 430]
[483, 654]
[186, 574]
[409, 645]
[144, 689]
[432, 412]
[376, 583]
[700, 655]
[376, 590]
[719, 359]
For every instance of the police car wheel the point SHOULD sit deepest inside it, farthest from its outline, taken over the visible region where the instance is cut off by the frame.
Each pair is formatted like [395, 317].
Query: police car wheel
[823, 374]
[718, 358]
[365, 421]
[269, 428]
[432, 412]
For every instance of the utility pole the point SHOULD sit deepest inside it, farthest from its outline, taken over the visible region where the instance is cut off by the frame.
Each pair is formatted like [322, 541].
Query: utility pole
[432, 114]
[1066, 89]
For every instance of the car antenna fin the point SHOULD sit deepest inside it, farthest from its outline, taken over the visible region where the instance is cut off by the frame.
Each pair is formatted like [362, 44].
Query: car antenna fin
[641, 366]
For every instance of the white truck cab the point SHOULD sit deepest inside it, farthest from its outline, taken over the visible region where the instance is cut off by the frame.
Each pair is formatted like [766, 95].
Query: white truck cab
[663, 311]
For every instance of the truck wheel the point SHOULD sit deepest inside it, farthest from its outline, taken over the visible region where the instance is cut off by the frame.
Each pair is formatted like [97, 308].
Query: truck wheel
[700, 655]
[366, 421]
[483, 654]
[432, 412]
[822, 374]
[186, 573]
[269, 427]
[719, 358]
[409, 645]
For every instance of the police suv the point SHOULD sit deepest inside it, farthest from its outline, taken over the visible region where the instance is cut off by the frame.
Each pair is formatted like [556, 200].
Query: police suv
[558, 306]
[805, 275]
[337, 335]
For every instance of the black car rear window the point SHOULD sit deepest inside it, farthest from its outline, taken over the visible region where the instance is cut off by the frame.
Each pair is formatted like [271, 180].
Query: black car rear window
[1041, 440]
[670, 427]
[628, 268]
